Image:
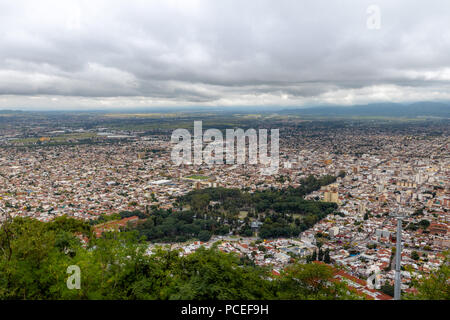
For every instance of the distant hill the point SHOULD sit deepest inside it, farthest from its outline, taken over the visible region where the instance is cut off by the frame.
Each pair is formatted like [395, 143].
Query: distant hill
[418, 109]
[7, 111]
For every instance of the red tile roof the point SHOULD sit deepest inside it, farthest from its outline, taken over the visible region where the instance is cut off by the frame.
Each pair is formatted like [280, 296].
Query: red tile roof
[364, 291]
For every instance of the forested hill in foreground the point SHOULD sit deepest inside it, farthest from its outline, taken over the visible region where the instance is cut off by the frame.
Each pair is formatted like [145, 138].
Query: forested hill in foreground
[35, 256]
[413, 110]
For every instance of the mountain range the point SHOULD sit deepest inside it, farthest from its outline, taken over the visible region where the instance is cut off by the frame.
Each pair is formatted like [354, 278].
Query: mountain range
[417, 109]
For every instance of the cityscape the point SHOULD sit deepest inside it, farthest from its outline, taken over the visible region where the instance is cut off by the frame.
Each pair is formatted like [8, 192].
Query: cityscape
[223, 159]
[382, 168]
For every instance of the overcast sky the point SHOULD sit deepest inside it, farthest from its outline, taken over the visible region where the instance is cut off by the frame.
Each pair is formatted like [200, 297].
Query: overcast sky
[98, 54]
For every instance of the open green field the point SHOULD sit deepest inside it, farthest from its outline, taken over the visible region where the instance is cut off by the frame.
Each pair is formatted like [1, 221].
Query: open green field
[59, 138]
[142, 115]
[243, 214]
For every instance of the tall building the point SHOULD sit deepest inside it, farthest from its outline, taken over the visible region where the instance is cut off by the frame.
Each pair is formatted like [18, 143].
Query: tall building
[333, 231]
[362, 208]
[331, 196]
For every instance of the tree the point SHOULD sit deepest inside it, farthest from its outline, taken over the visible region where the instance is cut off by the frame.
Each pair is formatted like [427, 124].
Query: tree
[319, 244]
[204, 236]
[262, 248]
[211, 274]
[326, 257]
[424, 224]
[320, 256]
[116, 266]
[415, 255]
[200, 202]
[387, 289]
[246, 231]
[434, 286]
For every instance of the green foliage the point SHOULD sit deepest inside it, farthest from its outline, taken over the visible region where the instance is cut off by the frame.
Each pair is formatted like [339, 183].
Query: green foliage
[180, 226]
[204, 235]
[320, 255]
[200, 202]
[105, 218]
[209, 274]
[275, 207]
[387, 289]
[246, 231]
[435, 286]
[417, 212]
[69, 225]
[34, 257]
[282, 201]
[326, 257]
[424, 224]
[138, 213]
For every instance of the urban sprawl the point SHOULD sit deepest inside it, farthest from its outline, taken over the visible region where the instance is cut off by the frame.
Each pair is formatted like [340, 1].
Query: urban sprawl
[387, 171]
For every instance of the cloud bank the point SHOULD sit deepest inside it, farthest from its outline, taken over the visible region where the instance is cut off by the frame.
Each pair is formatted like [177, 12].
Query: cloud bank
[94, 54]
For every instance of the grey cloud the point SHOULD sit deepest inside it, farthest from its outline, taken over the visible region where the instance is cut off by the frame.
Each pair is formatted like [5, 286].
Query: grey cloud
[222, 52]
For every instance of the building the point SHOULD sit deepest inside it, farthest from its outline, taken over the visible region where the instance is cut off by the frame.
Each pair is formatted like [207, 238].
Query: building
[382, 233]
[333, 231]
[356, 285]
[438, 228]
